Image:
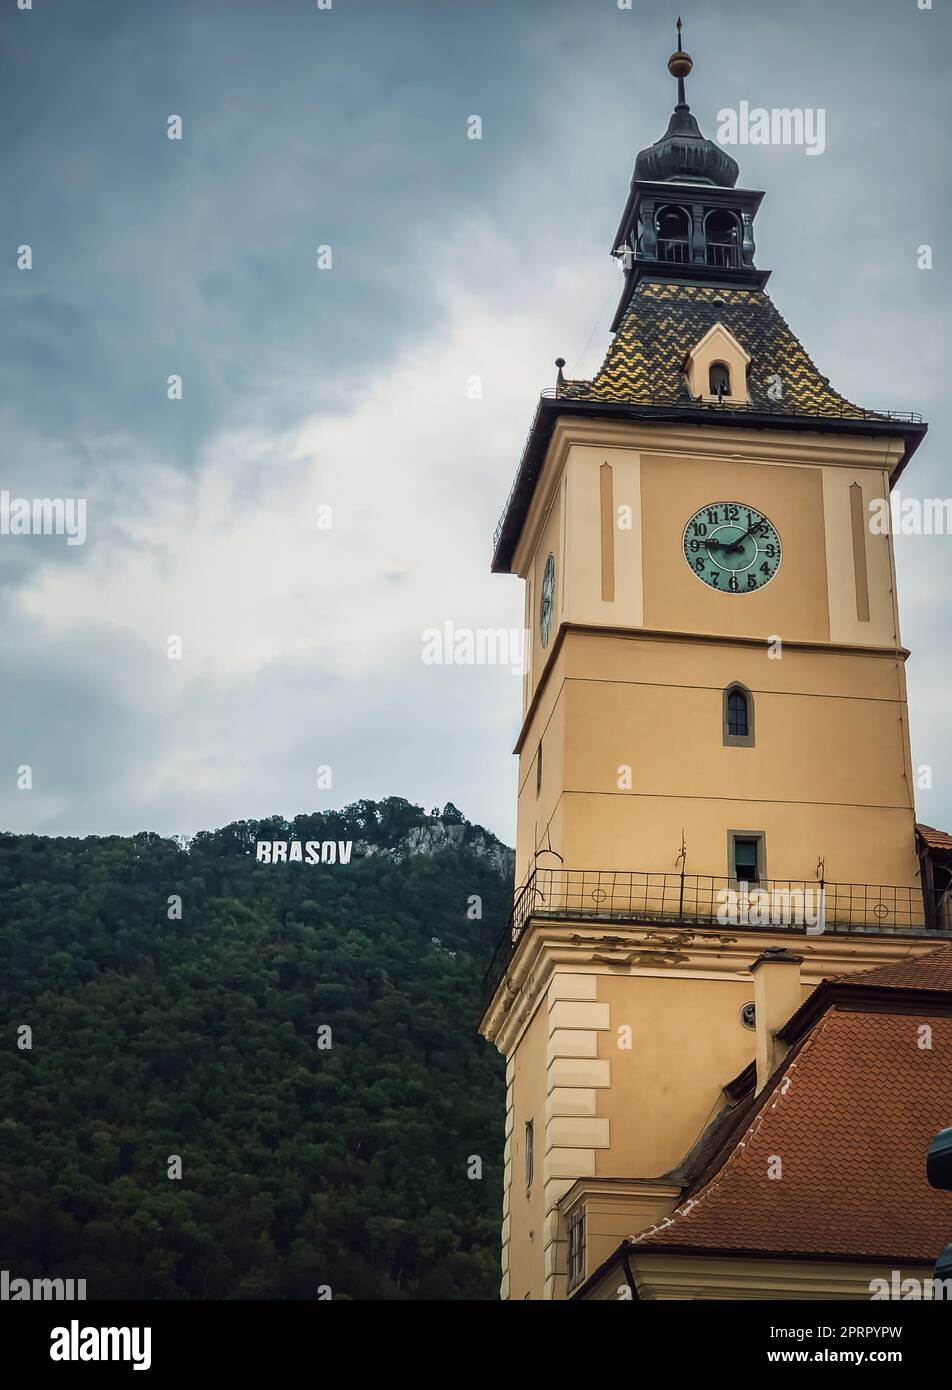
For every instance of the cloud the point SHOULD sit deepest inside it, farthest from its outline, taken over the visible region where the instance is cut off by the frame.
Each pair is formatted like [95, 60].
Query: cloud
[351, 389]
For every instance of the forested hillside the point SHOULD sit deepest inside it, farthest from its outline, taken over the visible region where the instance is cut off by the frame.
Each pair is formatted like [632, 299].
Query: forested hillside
[308, 1158]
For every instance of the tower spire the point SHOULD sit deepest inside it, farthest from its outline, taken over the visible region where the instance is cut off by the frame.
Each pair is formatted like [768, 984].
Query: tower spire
[679, 65]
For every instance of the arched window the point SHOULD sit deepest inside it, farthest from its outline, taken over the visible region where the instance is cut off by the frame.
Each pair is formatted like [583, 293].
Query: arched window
[719, 379]
[738, 717]
[674, 234]
[722, 238]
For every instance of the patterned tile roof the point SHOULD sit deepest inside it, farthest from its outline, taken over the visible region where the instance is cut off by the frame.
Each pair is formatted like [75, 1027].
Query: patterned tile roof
[851, 1131]
[663, 323]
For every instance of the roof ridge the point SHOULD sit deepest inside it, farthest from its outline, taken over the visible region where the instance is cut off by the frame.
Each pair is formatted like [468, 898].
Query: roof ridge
[912, 960]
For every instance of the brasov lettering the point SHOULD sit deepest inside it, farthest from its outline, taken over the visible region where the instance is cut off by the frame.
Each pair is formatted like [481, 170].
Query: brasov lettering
[303, 851]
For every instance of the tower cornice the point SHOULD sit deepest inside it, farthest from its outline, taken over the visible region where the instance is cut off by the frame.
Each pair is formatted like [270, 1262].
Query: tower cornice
[669, 951]
[751, 434]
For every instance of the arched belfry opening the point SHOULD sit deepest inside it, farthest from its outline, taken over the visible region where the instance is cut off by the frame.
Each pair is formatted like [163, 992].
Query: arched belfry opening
[722, 239]
[673, 226]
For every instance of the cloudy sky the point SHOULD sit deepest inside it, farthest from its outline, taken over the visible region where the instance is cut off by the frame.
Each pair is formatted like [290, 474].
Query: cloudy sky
[348, 388]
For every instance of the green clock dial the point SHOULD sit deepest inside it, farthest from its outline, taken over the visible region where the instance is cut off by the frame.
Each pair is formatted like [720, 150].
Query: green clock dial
[732, 548]
[547, 601]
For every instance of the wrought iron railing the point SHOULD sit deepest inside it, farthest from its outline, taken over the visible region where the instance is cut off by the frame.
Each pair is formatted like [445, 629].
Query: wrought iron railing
[845, 412]
[721, 255]
[674, 249]
[704, 900]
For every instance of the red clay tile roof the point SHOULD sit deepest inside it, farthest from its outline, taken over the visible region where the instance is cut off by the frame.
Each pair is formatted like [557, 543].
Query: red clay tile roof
[851, 1131]
[933, 971]
[934, 839]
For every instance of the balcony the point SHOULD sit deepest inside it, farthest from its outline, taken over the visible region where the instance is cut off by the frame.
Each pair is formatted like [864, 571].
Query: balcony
[610, 895]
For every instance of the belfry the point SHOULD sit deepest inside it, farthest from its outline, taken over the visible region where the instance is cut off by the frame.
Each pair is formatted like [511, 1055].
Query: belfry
[716, 820]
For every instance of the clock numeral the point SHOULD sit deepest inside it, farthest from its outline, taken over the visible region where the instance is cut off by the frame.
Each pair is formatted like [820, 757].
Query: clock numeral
[751, 581]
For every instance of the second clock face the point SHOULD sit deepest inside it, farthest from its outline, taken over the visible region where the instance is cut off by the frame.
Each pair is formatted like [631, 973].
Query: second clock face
[732, 547]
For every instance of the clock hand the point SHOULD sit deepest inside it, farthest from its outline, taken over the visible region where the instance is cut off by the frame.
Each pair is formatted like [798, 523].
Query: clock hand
[738, 545]
[727, 545]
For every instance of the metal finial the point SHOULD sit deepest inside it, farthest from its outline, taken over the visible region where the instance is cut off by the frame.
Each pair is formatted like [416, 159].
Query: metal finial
[560, 379]
[679, 65]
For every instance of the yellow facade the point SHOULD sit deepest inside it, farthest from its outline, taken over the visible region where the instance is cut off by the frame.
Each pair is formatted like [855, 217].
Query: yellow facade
[619, 1038]
[829, 777]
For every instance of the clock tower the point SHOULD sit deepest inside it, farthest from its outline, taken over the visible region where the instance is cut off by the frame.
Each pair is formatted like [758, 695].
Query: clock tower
[714, 759]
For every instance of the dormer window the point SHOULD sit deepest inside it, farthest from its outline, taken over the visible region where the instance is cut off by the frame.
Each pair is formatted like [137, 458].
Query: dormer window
[722, 239]
[719, 379]
[674, 235]
[715, 369]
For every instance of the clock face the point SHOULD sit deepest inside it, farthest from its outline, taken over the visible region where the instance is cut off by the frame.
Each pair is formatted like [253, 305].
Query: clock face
[547, 601]
[732, 547]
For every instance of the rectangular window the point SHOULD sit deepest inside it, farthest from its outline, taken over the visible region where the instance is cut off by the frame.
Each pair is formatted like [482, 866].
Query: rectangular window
[576, 1251]
[530, 1153]
[745, 861]
[539, 769]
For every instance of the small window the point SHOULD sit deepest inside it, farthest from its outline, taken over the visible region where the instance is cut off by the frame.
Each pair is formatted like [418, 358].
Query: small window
[539, 768]
[745, 860]
[719, 379]
[738, 717]
[576, 1250]
[530, 1152]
